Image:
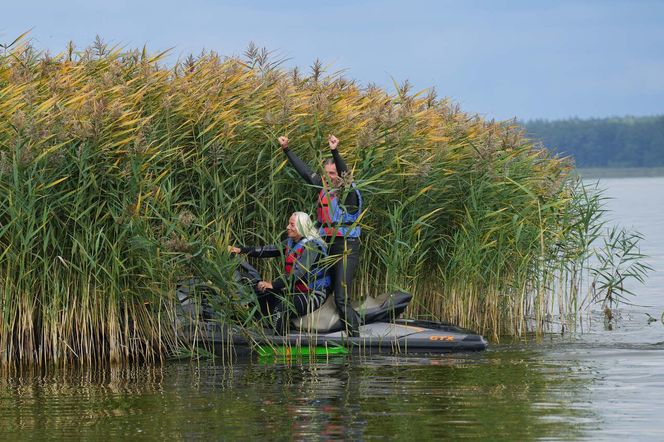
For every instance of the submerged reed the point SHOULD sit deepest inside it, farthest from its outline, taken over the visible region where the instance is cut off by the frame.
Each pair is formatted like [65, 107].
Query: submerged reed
[120, 175]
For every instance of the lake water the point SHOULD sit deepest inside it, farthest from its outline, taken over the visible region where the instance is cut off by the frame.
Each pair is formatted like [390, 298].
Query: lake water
[601, 385]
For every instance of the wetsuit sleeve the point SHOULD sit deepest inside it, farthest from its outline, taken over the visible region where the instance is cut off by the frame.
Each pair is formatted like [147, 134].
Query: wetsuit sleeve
[262, 251]
[303, 169]
[301, 268]
[339, 162]
[279, 283]
[351, 202]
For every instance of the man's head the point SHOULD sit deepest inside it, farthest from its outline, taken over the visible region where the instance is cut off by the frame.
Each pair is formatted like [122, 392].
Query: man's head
[331, 173]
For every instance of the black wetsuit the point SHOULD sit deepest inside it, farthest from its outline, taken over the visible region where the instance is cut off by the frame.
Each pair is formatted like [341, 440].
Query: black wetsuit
[343, 270]
[284, 301]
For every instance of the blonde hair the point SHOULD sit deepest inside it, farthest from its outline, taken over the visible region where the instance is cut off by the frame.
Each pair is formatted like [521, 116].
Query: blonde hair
[305, 226]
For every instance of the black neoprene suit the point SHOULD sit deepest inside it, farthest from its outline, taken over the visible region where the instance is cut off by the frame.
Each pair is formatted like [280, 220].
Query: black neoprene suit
[344, 269]
[282, 303]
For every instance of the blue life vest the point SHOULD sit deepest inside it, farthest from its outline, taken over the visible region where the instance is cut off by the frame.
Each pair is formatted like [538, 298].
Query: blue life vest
[334, 220]
[317, 279]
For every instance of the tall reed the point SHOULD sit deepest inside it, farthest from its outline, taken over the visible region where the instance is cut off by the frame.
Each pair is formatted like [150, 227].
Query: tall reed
[121, 175]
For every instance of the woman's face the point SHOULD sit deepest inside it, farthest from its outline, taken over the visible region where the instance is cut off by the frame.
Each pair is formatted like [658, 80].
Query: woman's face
[291, 228]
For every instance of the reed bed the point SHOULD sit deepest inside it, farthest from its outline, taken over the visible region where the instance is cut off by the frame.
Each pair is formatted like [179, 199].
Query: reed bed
[121, 175]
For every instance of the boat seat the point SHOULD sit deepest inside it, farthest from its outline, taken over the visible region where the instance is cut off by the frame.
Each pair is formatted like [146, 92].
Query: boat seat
[381, 308]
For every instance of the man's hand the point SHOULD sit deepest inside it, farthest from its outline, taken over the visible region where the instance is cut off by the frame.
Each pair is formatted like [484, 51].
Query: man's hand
[233, 249]
[332, 141]
[283, 142]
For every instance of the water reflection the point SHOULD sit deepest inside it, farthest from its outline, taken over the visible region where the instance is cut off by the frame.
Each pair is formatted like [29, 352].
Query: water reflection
[505, 393]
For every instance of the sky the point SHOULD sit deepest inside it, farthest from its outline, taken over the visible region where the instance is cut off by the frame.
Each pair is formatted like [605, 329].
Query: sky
[501, 59]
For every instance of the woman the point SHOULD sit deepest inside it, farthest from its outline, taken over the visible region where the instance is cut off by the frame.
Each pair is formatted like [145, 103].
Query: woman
[337, 222]
[303, 286]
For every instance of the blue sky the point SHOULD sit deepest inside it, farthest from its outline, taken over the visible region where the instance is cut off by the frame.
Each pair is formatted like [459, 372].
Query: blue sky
[501, 59]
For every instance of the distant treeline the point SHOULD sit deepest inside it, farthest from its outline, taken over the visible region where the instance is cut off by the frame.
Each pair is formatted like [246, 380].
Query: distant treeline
[604, 142]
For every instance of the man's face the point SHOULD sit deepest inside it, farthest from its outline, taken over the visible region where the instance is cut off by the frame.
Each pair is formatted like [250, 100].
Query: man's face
[331, 172]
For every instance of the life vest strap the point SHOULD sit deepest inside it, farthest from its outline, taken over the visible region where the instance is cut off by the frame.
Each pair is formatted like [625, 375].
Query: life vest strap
[318, 224]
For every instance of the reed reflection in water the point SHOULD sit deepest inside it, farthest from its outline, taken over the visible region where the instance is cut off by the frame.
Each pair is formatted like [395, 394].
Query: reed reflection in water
[506, 393]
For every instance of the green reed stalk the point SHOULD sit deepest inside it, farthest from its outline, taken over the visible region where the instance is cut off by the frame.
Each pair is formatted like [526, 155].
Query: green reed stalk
[120, 176]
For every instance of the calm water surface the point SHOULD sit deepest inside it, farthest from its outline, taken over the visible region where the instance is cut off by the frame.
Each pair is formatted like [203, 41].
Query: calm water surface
[602, 384]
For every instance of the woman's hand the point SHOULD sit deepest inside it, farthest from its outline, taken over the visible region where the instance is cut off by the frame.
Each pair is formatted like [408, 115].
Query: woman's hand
[332, 141]
[283, 142]
[233, 249]
[264, 285]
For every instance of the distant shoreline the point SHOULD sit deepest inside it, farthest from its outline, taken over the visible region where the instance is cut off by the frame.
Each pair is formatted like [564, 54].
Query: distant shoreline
[620, 172]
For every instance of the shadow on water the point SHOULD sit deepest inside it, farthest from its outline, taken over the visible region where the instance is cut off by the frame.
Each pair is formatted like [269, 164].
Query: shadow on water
[501, 394]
